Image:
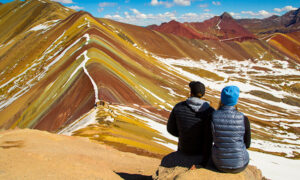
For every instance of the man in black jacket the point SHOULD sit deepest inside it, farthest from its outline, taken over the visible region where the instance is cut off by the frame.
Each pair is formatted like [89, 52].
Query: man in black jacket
[190, 121]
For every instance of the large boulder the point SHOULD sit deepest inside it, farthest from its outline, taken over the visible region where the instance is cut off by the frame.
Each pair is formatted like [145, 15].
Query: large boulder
[181, 173]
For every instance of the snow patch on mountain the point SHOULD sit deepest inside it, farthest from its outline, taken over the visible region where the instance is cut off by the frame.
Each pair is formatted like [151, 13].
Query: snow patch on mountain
[45, 26]
[240, 70]
[15, 83]
[154, 95]
[275, 167]
[269, 146]
[83, 121]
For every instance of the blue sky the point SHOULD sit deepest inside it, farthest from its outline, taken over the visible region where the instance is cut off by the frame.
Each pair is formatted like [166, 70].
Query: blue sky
[146, 12]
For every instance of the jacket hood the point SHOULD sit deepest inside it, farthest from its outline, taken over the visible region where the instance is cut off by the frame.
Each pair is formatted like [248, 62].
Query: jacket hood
[197, 104]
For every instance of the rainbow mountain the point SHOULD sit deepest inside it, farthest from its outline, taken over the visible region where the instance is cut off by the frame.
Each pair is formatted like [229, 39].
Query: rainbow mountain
[71, 73]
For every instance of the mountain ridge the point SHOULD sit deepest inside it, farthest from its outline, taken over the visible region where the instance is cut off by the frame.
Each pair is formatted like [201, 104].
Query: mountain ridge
[222, 27]
[288, 22]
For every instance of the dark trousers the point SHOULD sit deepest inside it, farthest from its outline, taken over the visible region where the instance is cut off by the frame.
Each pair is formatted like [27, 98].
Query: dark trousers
[178, 158]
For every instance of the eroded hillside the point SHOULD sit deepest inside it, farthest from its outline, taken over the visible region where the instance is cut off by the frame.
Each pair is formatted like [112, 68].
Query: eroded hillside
[59, 64]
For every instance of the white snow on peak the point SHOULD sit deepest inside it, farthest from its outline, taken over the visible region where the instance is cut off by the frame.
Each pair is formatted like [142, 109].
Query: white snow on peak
[82, 65]
[218, 25]
[86, 58]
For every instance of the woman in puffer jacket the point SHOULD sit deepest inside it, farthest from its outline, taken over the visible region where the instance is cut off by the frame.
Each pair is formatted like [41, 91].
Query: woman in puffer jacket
[231, 134]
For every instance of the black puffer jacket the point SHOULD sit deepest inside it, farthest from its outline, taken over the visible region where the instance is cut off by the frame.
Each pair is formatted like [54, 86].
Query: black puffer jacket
[190, 120]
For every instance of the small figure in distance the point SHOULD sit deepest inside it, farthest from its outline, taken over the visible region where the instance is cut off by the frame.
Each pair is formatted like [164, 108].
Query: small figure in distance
[190, 121]
[231, 134]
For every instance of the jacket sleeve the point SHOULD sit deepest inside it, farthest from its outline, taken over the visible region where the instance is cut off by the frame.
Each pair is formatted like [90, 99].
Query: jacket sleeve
[247, 136]
[172, 125]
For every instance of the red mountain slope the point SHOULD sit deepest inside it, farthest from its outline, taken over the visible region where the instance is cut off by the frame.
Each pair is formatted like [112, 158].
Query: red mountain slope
[178, 29]
[222, 27]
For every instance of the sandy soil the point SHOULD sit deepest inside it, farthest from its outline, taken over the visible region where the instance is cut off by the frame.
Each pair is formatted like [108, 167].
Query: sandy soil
[33, 154]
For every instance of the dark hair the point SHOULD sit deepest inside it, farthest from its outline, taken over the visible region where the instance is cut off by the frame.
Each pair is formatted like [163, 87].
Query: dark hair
[199, 95]
[197, 89]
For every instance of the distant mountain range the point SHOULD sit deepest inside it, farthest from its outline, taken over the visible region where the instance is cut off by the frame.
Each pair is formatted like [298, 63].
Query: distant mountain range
[224, 27]
[289, 22]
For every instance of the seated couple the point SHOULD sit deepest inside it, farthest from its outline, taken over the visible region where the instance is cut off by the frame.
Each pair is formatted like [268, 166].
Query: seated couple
[214, 139]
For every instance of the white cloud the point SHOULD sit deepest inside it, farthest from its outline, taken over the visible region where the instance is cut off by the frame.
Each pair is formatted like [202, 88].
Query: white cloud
[203, 5]
[136, 17]
[165, 3]
[216, 3]
[127, 15]
[206, 10]
[286, 8]
[138, 14]
[249, 13]
[76, 7]
[168, 15]
[155, 2]
[116, 17]
[107, 4]
[168, 4]
[261, 13]
[183, 2]
[193, 17]
[235, 15]
[188, 16]
[64, 1]
[264, 13]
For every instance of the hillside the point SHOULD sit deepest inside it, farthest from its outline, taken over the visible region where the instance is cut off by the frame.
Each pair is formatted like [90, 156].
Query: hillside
[288, 43]
[20, 16]
[70, 73]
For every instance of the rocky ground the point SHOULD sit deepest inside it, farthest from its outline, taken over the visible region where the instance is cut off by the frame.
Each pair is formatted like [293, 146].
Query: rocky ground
[33, 154]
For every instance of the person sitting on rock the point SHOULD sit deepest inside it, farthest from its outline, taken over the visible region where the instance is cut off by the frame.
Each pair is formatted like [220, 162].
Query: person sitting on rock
[190, 121]
[231, 134]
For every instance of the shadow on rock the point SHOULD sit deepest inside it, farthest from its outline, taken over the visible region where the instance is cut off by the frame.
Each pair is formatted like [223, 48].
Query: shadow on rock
[178, 166]
[127, 176]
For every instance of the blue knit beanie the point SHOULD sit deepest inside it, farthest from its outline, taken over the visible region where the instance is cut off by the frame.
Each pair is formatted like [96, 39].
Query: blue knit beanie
[230, 95]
